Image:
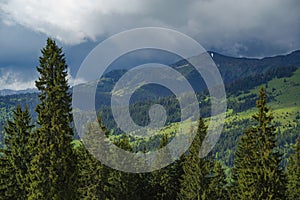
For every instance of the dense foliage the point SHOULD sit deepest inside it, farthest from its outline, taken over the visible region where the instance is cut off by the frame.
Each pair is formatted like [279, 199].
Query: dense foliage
[293, 173]
[16, 156]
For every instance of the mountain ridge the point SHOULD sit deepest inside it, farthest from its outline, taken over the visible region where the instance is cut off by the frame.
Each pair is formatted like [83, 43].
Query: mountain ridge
[7, 92]
[222, 62]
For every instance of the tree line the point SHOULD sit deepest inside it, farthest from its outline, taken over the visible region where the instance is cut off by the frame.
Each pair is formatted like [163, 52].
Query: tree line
[45, 162]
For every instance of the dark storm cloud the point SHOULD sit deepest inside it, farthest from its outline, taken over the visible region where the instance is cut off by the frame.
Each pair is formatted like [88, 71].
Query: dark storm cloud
[234, 27]
[227, 25]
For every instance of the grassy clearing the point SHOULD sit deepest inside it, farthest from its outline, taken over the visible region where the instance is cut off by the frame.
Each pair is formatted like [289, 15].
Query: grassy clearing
[285, 106]
[286, 103]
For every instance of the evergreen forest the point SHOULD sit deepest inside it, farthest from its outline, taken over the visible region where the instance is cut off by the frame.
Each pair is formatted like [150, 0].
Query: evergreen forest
[42, 157]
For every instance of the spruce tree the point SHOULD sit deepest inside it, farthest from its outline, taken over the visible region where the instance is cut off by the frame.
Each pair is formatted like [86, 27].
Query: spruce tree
[123, 185]
[217, 187]
[165, 182]
[257, 173]
[92, 175]
[91, 184]
[15, 156]
[243, 172]
[293, 173]
[195, 180]
[52, 166]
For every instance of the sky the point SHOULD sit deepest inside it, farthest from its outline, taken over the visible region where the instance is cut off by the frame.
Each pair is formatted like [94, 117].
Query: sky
[249, 28]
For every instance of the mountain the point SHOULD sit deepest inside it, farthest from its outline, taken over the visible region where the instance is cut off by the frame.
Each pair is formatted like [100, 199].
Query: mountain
[232, 69]
[6, 92]
[237, 74]
[242, 76]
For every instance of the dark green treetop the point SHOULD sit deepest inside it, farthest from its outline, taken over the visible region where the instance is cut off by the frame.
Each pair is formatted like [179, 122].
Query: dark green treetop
[52, 166]
[257, 173]
[195, 180]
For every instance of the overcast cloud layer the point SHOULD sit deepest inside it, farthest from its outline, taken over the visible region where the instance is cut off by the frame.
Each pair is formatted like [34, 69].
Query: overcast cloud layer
[233, 27]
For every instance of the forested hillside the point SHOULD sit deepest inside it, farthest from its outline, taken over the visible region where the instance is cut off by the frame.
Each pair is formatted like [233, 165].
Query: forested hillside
[282, 86]
[257, 156]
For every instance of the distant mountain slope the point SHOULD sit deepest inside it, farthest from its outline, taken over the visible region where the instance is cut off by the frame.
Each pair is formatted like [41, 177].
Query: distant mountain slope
[240, 75]
[6, 92]
[283, 99]
[233, 69]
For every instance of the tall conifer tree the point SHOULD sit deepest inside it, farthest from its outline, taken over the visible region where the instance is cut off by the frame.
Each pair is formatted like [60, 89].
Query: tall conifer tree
[165, 182]
[91, 184]
[92, 175]
[217, 187]
[293, 173]
[123, 185]
[53, 164]
[257, 173]
[15, 156]
[195, 180]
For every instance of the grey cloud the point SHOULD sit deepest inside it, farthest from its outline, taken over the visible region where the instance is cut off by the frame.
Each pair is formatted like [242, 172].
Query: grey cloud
[225, 25]
[16, 78]
[239, 28]
[18, 44]
[231, 25]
